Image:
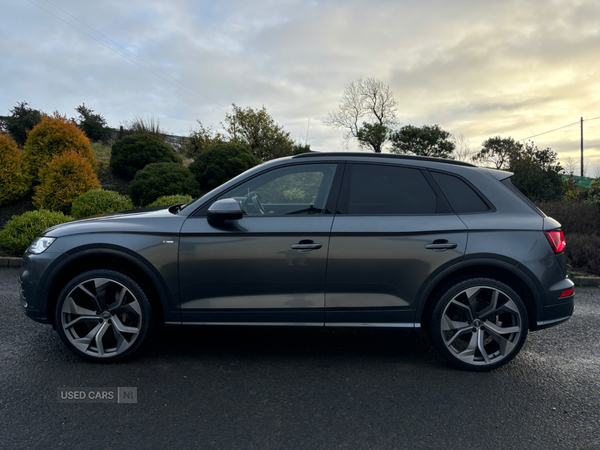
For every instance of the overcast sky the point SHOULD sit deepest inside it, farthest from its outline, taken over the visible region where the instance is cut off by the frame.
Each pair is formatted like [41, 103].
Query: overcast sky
[480, 68]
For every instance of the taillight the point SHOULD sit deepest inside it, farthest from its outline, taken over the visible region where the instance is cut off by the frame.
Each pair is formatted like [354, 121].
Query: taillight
[568, 293]
[557, 240]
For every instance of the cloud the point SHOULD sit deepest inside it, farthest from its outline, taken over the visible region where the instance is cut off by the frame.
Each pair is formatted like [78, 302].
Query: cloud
[511, 68]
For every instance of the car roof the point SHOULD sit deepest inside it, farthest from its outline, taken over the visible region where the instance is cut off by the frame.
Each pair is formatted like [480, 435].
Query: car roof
[349, 155]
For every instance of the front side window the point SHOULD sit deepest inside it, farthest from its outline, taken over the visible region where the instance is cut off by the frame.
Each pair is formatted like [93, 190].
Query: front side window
[389, 190]
[300, 189]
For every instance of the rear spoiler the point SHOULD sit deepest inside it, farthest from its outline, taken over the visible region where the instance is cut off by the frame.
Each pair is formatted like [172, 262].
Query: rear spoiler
[500, 174]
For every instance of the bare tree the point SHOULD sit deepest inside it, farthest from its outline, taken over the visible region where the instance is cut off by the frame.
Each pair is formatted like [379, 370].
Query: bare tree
[462, 147]
[366, 102]
[570, 165]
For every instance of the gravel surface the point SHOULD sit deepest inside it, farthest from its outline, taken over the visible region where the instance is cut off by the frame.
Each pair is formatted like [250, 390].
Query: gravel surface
[286, 388]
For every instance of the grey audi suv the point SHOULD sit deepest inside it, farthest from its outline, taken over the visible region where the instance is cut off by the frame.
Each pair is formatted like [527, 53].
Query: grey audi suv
[314, 240]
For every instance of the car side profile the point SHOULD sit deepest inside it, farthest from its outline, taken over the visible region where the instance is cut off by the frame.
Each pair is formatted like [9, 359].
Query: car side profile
[314, 240]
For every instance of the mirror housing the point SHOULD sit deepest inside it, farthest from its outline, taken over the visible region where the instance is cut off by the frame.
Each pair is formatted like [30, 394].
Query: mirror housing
[222, 210]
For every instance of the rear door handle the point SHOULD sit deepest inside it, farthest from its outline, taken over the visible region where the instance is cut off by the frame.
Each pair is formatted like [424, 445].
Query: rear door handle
[306, 245]
[440, 245]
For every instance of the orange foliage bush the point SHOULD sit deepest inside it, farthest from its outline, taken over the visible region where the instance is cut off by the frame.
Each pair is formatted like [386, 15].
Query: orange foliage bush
[14, 177]
[51, 137]
[63, 180]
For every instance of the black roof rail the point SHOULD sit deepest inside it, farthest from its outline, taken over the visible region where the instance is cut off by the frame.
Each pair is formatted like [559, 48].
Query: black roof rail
[313, 154]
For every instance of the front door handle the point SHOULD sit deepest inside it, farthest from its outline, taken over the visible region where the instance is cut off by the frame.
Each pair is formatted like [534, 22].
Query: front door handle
[440, 245]
[306, 245]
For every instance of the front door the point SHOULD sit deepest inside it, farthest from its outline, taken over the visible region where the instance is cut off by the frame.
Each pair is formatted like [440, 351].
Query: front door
[269, 267]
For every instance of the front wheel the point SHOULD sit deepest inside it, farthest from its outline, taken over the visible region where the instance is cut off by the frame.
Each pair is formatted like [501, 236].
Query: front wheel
[479, 324]
[103, 315]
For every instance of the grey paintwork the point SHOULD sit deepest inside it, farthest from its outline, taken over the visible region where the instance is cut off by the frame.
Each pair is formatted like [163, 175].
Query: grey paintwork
[368, 271]
[249, 264]
[377, 264]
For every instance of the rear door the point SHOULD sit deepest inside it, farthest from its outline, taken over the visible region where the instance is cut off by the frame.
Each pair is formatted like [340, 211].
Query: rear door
[393, 230]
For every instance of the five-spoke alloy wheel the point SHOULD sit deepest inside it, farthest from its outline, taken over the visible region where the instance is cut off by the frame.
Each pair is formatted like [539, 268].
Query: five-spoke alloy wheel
[479, 324]
[103, 315]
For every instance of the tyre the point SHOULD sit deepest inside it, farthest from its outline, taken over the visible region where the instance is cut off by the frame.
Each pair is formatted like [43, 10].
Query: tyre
[478, 324]
[103, 315]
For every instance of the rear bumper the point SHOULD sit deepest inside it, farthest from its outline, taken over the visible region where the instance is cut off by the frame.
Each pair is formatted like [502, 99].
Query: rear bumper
[555, 314]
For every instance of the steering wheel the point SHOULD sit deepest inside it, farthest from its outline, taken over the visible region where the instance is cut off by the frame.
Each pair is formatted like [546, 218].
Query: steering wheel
[254, 197]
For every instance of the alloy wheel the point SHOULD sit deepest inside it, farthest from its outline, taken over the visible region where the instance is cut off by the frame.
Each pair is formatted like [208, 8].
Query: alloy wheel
[481, 325]
[101, 317]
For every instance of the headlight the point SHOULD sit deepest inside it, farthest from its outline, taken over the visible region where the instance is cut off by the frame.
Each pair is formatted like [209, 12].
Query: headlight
[40, 244]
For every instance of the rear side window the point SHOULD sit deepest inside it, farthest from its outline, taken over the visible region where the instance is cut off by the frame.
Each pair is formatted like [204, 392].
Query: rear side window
[384, 190]
[461, 196]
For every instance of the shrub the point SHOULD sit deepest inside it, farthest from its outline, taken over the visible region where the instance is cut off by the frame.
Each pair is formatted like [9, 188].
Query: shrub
[593, 194]
[14, 177]
[168, 200]
[159, 179]
[51, 137]
[20, 231]
[574, 216]
[583, 252]
[133, 153]
[93, 125]
[580, 221]
[98, 201]
[220, 163]
[21, 121]
[63, 180]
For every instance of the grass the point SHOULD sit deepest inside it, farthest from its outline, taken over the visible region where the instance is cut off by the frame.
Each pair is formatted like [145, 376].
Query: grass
[102, 153]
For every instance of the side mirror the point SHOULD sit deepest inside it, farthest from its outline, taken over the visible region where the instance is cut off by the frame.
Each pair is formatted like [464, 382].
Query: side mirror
[222, 210]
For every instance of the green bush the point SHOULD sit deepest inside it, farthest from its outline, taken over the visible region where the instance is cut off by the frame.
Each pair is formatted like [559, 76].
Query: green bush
[50, 138]
[168, 200]
[20, 231]
[159, 179]
[220, 163]
[583, 253]
[98, 201]
[133, 153]
[14, 177]
[580, 221]
[63, 180]
[575, 216]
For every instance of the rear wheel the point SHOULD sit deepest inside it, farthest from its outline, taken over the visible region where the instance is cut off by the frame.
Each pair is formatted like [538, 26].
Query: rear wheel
[103, 315]
[479, 324]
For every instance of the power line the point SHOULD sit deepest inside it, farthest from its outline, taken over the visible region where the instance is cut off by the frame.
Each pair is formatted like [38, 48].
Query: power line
[559, 128]
[185, 88]
[546, 132]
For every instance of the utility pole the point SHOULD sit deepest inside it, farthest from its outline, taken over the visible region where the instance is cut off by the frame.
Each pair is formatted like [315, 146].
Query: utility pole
[582, 146]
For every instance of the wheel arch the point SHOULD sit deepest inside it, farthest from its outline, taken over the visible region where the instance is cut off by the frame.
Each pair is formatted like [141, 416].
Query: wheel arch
[502, 271]
[83, 259]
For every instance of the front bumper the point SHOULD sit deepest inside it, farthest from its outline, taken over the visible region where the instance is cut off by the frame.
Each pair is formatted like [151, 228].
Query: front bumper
[32, 277]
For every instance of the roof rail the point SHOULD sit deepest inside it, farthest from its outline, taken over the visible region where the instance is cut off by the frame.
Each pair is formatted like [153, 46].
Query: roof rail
[314, 154]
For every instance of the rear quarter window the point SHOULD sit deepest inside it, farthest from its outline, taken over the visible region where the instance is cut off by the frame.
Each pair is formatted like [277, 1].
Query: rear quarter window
[462, 197]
